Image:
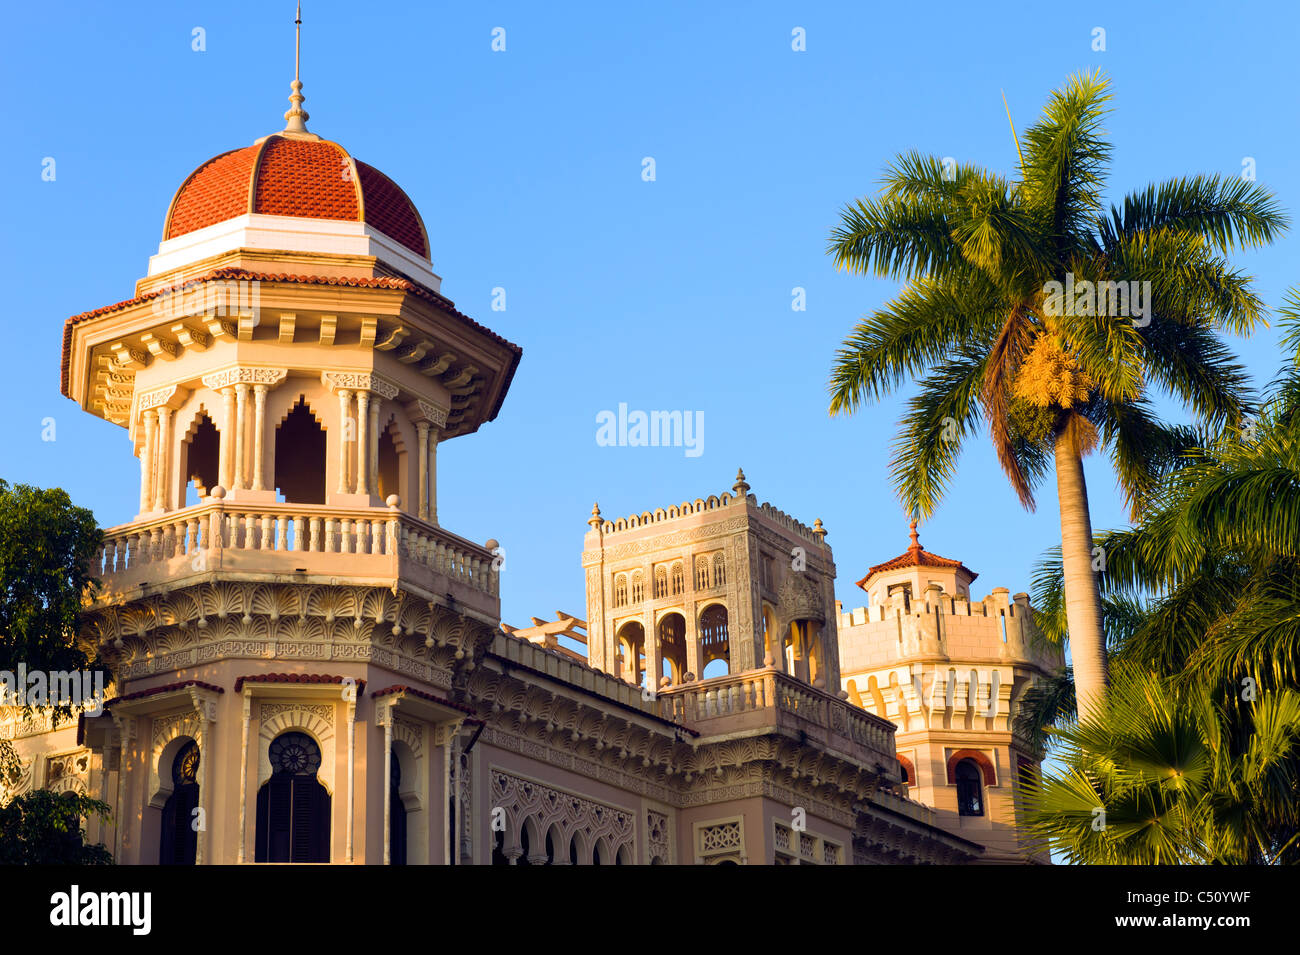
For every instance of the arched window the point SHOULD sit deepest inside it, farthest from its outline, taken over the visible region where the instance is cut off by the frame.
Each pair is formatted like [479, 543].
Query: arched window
[719, 570]
[396, 812]
[678, 583]
[202, 455]
[387, 466]
[293, 808]
[179, 840]
[620, 590]
[970, 790]
[300, 457]
[714, 646]
[672, 647]
[661, 582]
[702, 573]
[638, 588]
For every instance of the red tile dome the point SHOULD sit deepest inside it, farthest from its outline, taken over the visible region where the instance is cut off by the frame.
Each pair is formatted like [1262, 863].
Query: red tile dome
[295, 176]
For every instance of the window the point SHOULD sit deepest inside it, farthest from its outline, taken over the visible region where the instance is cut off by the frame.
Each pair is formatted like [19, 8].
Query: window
[719, 570]
[638, 588]
[179, 840]
[620, 590]
[970, 790]
[678, 583]
[661, 582]
[769, 575]
[702, 573]
[300, 456]
[396, 813]
[293, 808]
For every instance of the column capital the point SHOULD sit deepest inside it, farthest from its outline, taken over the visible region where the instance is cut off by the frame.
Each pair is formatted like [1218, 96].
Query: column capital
[244, 375]
[359, 381]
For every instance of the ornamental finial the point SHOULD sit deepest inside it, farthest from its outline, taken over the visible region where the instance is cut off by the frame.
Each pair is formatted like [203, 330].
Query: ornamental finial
[296, 118]
[740, 487]
[595, 519]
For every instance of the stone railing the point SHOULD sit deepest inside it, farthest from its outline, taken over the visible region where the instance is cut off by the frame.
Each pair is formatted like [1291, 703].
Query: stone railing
[283, 538]
[745, 695]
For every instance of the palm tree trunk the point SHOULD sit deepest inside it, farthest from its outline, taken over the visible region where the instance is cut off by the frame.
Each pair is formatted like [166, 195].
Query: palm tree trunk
[1082, 595]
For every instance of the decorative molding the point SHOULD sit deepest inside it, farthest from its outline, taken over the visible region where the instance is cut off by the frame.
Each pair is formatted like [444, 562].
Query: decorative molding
[527, 802]
[359, 380]
[244, 375]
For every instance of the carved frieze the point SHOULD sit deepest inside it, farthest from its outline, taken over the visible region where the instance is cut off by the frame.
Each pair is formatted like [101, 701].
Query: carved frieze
[244, 375]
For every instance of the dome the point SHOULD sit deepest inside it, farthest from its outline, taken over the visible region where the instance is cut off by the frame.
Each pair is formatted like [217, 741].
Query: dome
[295, 175]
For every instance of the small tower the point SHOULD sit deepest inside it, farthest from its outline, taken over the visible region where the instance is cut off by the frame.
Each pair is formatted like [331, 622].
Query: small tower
[720, 585]
[950, 674]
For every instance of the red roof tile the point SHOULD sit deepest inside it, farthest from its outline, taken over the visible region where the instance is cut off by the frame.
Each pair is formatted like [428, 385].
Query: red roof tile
[304, 678]
[141, 694]
[915, 556]
[315, 179]
[390, 690]
[402, 285]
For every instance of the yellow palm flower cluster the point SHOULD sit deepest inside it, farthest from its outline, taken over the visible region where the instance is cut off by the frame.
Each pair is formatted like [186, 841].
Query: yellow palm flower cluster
[1051, 377]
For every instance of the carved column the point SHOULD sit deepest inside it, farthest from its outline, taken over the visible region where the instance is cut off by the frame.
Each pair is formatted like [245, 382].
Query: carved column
[350, 698]
[653, 663]
[363, 441]
[146, 461]
[384, 716]
[243, 773]
[241, 423]
[161, 499]
[345, 411]
[433, 475]
[373, 453]
[227, 467]
[422, 431]
[259, 430]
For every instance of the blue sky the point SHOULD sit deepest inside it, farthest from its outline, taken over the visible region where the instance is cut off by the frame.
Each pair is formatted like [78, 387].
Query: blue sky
[666, 295]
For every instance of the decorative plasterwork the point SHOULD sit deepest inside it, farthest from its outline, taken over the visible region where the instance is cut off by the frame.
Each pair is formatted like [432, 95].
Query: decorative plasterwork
[359, 381]
[199, 624]
[314, 719]
[68, 772]
[244, 375]
[432, 413]
[801, 599]
[532, 804]
[658, 841]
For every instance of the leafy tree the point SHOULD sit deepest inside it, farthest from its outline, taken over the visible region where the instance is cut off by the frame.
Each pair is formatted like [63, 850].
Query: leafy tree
[46, 548]
[1197, 759]
[1174, 773]
[983, 329]
[45, 828]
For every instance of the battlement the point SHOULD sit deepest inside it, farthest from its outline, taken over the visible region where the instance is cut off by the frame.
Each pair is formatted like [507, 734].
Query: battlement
[998, 629]
[738, 496]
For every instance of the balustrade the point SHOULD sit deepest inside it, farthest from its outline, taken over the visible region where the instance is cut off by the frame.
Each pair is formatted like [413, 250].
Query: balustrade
[292, 529]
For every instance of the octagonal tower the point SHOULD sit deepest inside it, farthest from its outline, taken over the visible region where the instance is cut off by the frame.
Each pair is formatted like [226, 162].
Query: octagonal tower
[285, 373]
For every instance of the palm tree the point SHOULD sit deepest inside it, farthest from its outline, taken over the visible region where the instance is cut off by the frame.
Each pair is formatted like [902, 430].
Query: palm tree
[1167, 773]
[1052, 374]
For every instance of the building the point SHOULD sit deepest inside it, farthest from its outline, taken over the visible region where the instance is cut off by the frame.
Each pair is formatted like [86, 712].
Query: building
[310, 668]
[950, 673]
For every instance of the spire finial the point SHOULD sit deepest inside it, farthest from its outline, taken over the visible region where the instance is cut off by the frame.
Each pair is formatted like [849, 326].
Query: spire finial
[916, 538]
[296, 118]
[595, 519]
[740, 487]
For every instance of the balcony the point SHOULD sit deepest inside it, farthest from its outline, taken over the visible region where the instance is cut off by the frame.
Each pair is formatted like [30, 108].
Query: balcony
[767, 699]
[368, 546]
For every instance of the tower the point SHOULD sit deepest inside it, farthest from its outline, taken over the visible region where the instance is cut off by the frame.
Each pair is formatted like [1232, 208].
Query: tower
[710, 587]
[950, 673]
[286, 372]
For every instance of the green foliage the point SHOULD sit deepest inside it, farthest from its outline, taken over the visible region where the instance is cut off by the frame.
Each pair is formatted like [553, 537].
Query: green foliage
[45, 828]
[1196, 758]
[46, 548]
[975, 251]
[1173, 773]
